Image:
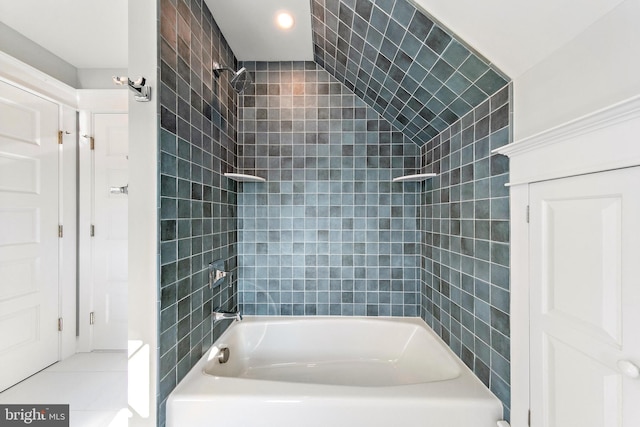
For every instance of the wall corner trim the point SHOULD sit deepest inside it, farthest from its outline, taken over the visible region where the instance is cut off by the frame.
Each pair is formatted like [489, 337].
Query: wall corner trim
[603, 140]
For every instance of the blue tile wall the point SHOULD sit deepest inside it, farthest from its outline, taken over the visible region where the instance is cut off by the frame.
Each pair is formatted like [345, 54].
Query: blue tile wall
[328, 234]
[198, 119]
[410, 69]
[464, 216]
[391, 92]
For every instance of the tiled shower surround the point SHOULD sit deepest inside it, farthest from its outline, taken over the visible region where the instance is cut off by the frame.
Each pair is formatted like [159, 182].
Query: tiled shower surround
[413, 71]
[464, 217]
[328, 234]
[197, 204]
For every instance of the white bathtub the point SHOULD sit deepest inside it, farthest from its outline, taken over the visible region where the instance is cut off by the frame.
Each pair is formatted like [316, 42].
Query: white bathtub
[331, 371]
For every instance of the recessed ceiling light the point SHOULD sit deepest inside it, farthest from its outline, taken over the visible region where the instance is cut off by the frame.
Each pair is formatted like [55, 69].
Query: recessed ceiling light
[284, 20]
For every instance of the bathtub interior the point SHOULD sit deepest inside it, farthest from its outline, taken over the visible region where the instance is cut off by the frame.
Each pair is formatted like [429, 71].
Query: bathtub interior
[332, 351]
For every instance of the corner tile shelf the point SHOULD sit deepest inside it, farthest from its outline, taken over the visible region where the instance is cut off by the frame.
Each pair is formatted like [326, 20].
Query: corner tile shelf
[414, 178]
[240, 177]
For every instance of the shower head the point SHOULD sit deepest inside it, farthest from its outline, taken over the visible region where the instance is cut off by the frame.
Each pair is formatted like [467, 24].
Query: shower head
[241, 79]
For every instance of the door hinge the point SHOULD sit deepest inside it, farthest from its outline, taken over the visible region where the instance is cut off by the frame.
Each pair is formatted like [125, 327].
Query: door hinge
[60, 231]
[60, 324]
[92, 143]
[527, 213]
[93, 230]
[60, 133]
[92, 318]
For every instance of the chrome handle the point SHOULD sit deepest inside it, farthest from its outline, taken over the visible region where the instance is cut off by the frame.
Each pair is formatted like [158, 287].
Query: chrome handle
[628, 369]
[216, 273]
[119, 190]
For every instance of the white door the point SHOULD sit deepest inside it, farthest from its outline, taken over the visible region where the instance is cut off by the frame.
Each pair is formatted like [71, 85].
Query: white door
[585, 301]
[111, 231]
[29, 159]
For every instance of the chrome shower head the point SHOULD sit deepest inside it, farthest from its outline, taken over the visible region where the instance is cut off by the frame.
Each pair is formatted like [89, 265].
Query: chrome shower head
[241, 79]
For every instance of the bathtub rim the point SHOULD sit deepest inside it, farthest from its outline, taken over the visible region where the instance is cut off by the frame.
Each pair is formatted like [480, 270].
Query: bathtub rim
[197, 385]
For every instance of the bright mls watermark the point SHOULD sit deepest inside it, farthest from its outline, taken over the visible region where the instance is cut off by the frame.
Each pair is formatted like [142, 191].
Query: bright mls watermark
[34, 415]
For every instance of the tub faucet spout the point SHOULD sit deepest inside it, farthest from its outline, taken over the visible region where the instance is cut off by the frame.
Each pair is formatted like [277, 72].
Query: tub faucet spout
[219, 314]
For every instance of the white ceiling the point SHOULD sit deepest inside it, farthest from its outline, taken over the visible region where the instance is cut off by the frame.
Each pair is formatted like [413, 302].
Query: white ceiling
[85, 33]
[250, 29]
[514, 34]
[517, 34]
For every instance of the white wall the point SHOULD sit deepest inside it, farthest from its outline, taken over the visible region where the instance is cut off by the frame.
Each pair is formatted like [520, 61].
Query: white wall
[143, 208]
[20, 47]
[99, 78]
[596, 69]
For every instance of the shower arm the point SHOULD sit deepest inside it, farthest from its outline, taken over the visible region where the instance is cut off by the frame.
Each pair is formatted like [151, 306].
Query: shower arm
[216, 67]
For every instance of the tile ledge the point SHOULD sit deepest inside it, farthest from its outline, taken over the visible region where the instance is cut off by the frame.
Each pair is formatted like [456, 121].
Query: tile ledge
[414, 178]
[240, 177]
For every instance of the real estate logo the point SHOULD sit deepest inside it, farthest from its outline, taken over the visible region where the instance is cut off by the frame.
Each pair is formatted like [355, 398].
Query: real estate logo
[34, 415]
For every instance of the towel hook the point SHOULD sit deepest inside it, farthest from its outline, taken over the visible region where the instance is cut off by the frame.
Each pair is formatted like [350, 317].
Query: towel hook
[141, 92]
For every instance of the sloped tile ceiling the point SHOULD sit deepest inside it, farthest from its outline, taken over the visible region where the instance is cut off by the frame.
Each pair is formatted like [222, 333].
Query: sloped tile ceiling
[408, 68]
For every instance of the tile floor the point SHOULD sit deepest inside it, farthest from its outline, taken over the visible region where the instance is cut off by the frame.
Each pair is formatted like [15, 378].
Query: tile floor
[93, 384]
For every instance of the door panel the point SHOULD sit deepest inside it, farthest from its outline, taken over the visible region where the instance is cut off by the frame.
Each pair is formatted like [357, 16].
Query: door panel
[22, 113]
[29, 160]
[594, 401]
[24, 271]
[19, 174]
[582, 283]
[111, 232]
[584, 300]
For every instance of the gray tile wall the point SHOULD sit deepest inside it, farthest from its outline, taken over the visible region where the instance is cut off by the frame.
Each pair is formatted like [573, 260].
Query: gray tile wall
[464, 217]
[197, 205]
[416, 73]
[328, 233]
